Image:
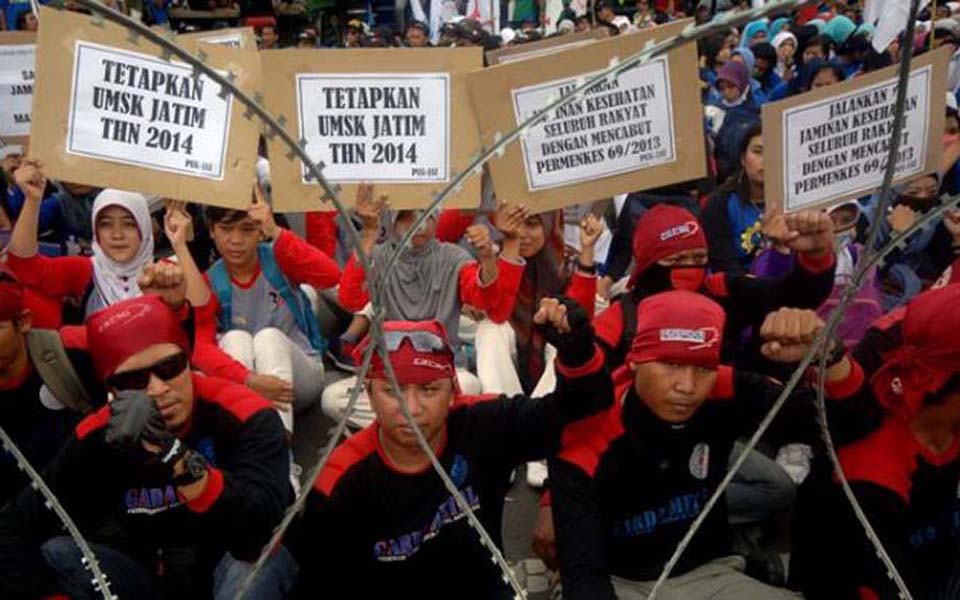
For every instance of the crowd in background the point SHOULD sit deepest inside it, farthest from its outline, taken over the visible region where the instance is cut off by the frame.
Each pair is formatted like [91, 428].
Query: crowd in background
[619, 349]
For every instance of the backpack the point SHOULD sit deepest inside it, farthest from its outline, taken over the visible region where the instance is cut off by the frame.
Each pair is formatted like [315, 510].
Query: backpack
[297, 300]
[52, 363]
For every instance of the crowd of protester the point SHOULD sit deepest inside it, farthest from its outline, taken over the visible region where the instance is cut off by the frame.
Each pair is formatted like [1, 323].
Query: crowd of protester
[155, 357]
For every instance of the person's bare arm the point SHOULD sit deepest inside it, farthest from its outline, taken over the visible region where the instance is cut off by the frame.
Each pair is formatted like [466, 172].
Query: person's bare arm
[178, 226]
[31, 181]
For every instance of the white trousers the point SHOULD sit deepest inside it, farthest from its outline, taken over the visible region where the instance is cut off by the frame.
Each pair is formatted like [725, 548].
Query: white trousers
[496, 345]
[271, 352]
[336, 396]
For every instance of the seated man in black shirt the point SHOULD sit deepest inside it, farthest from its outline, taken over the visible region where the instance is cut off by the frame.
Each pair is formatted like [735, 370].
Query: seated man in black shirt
[191, 471]
[629, 481]
[379, 522]
[34, 419]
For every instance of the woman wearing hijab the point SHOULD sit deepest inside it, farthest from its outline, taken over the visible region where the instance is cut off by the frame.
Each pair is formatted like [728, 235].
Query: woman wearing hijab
[764, 71]
[785, 45]
[753, 33]
[778, 25]
[430, 280]
[513, 357]
[714, 51]
[730, 115]
[122, 247]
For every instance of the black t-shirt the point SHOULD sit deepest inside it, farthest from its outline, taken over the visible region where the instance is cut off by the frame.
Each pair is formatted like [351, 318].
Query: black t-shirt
[626, 486]
[370, 532]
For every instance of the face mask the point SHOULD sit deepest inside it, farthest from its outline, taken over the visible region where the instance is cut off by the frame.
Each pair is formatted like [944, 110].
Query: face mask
[687, 278]
[921, 205]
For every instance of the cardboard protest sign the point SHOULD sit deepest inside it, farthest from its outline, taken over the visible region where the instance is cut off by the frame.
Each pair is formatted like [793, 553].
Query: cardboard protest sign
[17, 74]
[239, 37]
[831, 144]
[111, 113]
[630, 133]
[398, 118]
[546, 46]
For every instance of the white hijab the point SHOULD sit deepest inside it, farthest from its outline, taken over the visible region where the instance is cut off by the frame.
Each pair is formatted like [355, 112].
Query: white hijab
[115, 281]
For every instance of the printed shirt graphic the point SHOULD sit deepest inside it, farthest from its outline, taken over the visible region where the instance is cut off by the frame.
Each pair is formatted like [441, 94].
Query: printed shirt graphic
[258, 305]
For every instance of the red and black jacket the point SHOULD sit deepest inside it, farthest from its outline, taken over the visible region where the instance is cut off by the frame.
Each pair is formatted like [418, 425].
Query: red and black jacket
[370, 531]
[247, 491]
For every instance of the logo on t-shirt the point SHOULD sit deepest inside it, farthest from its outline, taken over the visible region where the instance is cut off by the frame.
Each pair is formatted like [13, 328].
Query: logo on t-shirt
[700, 461]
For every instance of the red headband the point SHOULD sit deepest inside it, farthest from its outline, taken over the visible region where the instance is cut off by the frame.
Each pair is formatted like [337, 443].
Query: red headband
[121, 330]
[412, 366]
[678, 327]
[928, 355]
[664, 230]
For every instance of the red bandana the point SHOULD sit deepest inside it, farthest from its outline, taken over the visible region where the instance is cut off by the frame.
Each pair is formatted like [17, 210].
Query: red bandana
[664, 230]
[412, 365]
[678, 327]
[928, 355]
[121, 330]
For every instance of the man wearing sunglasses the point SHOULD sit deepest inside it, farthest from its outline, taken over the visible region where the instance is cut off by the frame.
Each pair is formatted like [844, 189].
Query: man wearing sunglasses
[382, 521]
[192, 471]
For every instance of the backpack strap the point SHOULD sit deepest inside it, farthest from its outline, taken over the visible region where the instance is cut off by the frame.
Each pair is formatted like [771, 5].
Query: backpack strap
[628, 308]
[51, 361]
[295, 298]
[223, 288]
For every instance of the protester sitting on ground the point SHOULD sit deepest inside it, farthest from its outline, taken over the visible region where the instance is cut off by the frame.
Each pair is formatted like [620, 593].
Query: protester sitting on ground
[379, 517]
[430, 280]
[417, 34]
[905, 473]
[910, 268]
[34, 418]
[190, 471]
[513, 357]
[670, 252]
[629, 481]
[122, 247]
[263, 322]
[765, 71]
[733, 216]
[734, 111]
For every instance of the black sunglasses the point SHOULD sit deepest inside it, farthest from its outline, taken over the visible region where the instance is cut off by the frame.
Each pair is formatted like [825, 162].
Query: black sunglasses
[165, 369]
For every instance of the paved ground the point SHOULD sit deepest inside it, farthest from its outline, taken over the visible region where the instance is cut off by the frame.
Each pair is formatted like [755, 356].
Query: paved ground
[520, 510]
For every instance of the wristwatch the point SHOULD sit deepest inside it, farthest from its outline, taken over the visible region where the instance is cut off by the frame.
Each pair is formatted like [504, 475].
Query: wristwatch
[194, 468]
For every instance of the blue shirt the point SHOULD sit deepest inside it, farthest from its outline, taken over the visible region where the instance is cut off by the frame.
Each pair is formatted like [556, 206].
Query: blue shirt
[12, 9]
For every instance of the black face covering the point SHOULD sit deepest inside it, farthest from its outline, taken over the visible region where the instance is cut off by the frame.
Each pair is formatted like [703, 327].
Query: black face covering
[658, 279]
[920, 205]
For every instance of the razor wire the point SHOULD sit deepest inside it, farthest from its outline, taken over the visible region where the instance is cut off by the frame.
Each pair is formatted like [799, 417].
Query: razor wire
[720, 23]
[88, 559]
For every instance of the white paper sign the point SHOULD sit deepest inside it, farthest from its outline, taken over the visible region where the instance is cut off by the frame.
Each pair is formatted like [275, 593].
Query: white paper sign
[839, 146]
[614, 128]
[135, 109]
[385, 127]
[16, 89]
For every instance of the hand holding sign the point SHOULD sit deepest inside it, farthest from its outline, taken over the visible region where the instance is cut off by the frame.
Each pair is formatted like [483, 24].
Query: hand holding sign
[367, 209]
[509, 218]
[30, 179]
[261, 212]
[479, 237]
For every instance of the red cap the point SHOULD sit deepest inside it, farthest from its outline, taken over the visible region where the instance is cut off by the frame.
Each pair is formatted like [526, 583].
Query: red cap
[12, 300]
[412, 366]
[121, 330]
[664, 230]
[678, 327]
